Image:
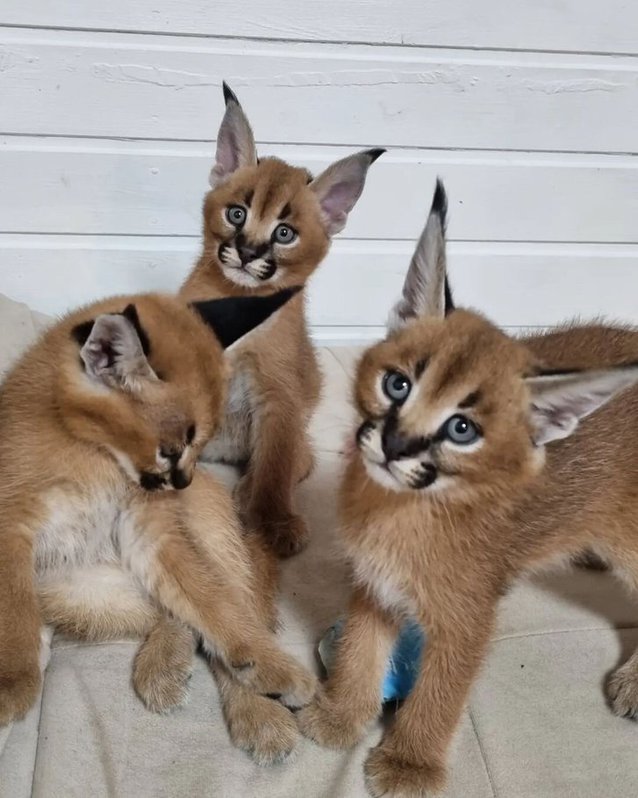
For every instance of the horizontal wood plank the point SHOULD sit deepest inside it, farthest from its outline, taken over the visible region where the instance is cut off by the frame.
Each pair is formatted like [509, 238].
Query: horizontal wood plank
[117, 85]
[571, 25]
[135, 188]
[516, 284]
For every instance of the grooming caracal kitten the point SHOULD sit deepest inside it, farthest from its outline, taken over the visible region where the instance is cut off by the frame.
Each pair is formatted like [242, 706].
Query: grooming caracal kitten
[472, 464]
[268, 225]
[99, 420]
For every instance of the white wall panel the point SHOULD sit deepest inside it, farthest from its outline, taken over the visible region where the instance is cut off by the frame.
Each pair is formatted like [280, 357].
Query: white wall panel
[99, 84]
[519, 285]
[141, 188]
[529, 111]
[568, 25]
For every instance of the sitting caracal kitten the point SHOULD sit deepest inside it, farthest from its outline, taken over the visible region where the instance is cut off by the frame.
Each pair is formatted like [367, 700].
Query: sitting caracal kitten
[99, 421]
[472, 464]
[268, 225]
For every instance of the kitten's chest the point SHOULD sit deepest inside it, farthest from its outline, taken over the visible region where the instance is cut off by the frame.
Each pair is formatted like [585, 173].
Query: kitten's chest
[80, 528]
[232, 444]
[382, 569]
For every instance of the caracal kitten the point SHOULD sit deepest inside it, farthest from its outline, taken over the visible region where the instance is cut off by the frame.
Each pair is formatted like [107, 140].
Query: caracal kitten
[473, 462]
[268, 225]
[107, 529]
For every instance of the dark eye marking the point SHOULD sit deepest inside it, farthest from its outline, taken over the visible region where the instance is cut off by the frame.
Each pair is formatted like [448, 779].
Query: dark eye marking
[285, 211]
[249, 198]
[471, 399]
[150, 481]
[420, 367]
[190, 433]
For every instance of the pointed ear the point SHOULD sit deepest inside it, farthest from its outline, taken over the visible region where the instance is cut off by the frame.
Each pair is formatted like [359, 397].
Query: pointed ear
[231, 318]
[560, 400]
[340, 186]
[426, 291]
[235, 141]
[112, 351]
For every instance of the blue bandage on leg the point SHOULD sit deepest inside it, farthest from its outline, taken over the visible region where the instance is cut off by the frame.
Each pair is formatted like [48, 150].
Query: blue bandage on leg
[403, 665]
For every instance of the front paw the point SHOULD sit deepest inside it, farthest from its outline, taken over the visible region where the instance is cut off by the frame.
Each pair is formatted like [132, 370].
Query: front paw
[389, 775]
[263, 728]
[622, 691]
[328, 725]
[18, 693]
[285, 533]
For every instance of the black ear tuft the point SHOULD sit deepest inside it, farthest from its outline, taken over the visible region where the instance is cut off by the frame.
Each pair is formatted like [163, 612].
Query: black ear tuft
[130, 313]
[229, 94]
[439, 202]
[231, 318]
[375, 153]
[82, 331]
[449, 298]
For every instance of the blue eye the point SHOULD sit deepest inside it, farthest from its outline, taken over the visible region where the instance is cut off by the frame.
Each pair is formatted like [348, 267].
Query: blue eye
[396, 386]
[284, 234]
[461, 430]
[236, 215]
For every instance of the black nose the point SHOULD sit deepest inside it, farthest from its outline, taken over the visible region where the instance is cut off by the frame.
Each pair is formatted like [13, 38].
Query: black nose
[246, 254]
[180, 479]
[395, 445]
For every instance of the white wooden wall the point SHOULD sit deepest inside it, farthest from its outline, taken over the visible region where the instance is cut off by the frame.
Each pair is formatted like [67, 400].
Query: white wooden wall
[527, 108]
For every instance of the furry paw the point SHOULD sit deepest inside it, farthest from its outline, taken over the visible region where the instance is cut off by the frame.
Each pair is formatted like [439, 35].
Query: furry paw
[393, 777]
[622, 691]
[263, 728]
[329, 725]
[162, 670]
[277, 676]
[18, 693]
[286, 534]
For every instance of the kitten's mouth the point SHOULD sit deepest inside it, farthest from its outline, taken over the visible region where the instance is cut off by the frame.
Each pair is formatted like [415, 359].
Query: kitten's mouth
[255, 271]
[396, 474]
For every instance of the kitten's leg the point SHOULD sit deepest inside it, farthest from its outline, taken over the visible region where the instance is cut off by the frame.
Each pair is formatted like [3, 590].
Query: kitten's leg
[105, 602]
[351, 698]
[210, 591]
[265, 493]
[20, 622]
[258, 725]
[622, 689]
[164, 664]
[410, 760]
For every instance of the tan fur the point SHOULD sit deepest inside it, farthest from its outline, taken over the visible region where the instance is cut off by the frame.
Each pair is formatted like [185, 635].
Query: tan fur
[446, 551]
[107, 557]
[277, 381]
[282, 366]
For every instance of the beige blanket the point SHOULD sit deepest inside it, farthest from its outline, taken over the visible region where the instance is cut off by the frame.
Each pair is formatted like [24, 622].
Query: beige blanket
[536, 726]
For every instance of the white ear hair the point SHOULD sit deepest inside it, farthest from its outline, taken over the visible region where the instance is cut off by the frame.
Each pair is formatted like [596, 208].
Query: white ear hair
[560, 401]
[113, 353]
[425, 291]
[235, 141]
[340, 186]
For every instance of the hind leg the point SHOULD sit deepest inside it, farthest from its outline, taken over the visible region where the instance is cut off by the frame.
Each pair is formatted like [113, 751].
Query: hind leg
[164, 664]
[257, 724]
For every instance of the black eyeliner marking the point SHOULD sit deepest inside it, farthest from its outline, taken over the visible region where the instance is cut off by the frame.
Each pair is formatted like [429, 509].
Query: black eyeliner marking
[470, 400]
[420, 367]
[151, 481]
